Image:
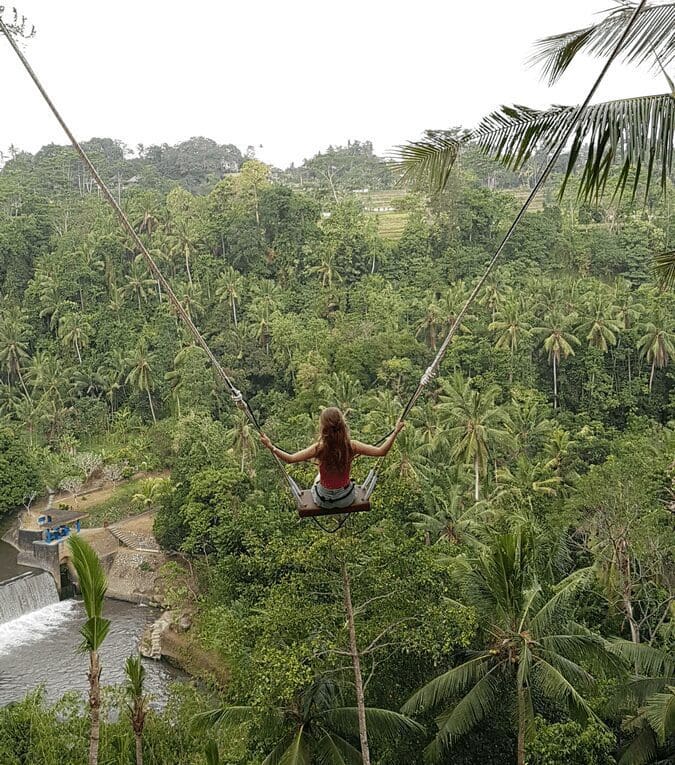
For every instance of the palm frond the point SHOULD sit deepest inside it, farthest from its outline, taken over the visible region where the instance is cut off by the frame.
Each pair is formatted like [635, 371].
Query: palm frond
[94, 631]
[298, 752]
[226, 716]
[660, 712]
[587, 649]
[635, 134]
[474, 707]
[277, 754]
[333, 750]
[651, 38]
[642, 658]
[553, 684]
[430, 160]
[383, 724]
[444, 688]
[211, 753]
[135, 672]
[90, 575]
[641, 750]
[564, 592]
[665, 269]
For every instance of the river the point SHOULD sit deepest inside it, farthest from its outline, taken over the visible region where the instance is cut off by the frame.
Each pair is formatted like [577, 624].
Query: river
[40, 646]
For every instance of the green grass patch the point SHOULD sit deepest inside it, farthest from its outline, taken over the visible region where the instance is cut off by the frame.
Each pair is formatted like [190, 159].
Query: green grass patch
[116, 508]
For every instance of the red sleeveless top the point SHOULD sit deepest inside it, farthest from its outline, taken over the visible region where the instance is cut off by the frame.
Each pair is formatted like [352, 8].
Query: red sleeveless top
[330, 480]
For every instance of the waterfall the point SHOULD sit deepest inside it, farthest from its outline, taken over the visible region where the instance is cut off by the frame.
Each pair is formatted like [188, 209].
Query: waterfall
[26, 593]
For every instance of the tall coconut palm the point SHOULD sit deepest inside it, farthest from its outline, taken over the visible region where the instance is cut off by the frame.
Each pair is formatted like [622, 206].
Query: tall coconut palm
[476, 424]
[429, 325]
[140, 375]
[558, 342]
[93, 585]
[657, 344]
[229, 287]
[137, 701]
[326, 270]
[14, 344]
[138, 283]
[75, 331]
[317, 727]
[341, 390]
[600, 327]
[531, 653]
[512, 327]
[243, 440]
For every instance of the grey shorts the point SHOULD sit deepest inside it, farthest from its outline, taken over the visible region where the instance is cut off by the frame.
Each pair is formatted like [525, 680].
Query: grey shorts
[333, 498]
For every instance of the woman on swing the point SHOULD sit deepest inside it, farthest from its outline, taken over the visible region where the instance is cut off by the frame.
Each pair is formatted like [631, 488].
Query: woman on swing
[334, 451]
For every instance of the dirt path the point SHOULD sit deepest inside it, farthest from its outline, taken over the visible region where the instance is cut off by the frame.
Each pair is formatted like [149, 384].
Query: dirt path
[88, 499]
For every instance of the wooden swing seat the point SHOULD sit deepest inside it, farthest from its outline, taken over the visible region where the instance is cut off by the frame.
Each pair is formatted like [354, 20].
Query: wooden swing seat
[308, 509]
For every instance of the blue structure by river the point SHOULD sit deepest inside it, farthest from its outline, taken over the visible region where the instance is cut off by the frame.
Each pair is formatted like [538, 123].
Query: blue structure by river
[40, 647]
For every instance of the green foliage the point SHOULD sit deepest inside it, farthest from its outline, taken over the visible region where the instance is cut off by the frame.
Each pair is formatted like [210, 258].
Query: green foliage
[551, 414]
[570, 744]
[19, 476]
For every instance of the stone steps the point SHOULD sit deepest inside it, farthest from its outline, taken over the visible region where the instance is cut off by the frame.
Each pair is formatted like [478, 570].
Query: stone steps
[134, 541]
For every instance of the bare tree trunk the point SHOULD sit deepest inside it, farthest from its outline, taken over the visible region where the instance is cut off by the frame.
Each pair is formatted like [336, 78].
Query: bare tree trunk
[555, 384]
[521, 727]
[623, 564]
[139, 748]
[356, 661]
[152, 408]
[651, 376]
[94, 706]
[187, 264]
[476, 476]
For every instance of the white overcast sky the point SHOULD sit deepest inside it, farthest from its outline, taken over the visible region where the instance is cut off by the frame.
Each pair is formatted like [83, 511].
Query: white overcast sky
[293, 75]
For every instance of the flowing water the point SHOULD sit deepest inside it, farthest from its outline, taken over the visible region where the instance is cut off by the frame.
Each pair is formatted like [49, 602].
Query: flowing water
[39, 637]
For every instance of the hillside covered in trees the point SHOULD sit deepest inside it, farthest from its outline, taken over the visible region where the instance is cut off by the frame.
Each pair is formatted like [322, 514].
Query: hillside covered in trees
[513, 585]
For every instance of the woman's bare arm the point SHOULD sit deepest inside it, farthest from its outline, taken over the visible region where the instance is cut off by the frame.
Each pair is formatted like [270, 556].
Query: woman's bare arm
[302, 456]
[367, 450]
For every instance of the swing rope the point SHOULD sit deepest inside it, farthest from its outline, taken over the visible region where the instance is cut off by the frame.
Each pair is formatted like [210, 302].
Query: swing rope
[235, 393]
[432, 370]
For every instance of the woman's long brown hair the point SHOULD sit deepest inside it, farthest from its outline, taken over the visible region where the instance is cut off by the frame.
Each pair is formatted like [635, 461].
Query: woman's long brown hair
[335, 447]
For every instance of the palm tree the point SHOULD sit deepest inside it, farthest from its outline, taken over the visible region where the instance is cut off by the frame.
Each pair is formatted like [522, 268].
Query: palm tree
[138, 284]
[342, 391]
[557, 343]
[75, 331]
[637, 133]
[511, 327]
[429, 324]
[525, 650]
[449, 519]
[646, 703]
[528, 422]
[601, 328]
[520, 483]
[140, 375]
[137, 704]
[229, 287]
[151, 492]
[475, 424]
[93, 585]
[243, 441]
[190, 297]
[317, 727]
[326, 270]
[14, 342]
[657, 344]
